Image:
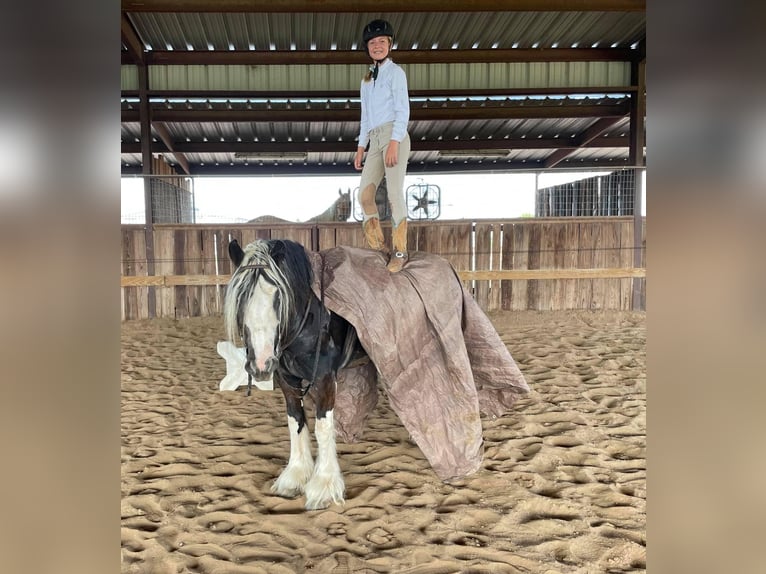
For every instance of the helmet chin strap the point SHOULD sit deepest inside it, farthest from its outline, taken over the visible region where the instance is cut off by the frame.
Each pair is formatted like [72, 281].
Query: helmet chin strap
[375, 66]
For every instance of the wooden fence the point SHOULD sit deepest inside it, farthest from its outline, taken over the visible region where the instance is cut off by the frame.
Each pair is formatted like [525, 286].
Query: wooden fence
[519, 264]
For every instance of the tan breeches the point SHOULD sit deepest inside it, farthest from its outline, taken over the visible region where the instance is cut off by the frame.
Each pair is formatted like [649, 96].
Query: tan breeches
[374, 169]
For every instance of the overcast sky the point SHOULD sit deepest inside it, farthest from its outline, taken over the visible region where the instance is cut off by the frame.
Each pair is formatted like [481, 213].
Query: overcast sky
[473, 195]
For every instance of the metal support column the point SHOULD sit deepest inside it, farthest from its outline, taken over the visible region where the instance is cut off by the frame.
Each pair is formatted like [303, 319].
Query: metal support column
[146, 170]
[637, 114]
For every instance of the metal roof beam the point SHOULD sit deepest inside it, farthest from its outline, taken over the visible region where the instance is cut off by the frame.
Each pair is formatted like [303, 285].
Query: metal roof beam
[380, 6]
[162, 131]
[286, 57]
[348, 146]
[638, 112]
[351, 114]
[354, 94]
[499, 166]
[591, 133]
[133, 44]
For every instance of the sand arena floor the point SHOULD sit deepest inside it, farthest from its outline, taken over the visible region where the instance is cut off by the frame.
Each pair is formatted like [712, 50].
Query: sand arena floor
[562, 488]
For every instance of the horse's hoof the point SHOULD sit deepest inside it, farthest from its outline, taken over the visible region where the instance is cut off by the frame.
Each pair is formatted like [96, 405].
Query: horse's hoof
[322, 504]
[292, 481]
[321, 492]
[286, 492]
[318, 505]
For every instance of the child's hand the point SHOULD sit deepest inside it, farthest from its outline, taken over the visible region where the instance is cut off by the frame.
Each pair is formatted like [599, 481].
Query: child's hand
[392, 153]
[358, 158]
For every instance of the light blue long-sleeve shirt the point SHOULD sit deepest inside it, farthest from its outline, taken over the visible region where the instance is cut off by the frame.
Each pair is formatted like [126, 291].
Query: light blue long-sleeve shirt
[385, 100]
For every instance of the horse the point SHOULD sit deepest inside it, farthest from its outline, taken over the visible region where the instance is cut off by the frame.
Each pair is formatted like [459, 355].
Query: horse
[339, 210]
[291, 336]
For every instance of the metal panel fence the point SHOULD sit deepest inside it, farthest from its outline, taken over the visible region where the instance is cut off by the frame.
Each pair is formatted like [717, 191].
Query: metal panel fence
[606, 194]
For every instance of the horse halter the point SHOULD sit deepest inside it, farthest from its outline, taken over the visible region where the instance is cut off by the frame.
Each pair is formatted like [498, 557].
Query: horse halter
[282, 346]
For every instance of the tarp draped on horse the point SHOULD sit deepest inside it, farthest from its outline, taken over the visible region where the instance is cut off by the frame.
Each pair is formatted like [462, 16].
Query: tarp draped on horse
[440, 360]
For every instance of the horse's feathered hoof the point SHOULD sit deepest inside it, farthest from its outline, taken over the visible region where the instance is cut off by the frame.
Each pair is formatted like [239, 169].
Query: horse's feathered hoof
[322, 491]
[292, 481]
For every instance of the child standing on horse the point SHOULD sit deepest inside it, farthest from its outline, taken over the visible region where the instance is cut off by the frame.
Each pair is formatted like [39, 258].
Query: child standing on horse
[385, 114]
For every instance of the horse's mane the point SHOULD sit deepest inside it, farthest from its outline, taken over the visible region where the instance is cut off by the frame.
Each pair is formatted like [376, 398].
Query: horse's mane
[282, 262]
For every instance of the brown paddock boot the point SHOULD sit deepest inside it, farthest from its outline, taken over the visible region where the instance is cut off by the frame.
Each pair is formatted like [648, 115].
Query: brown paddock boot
[373, 234]
[399, 256]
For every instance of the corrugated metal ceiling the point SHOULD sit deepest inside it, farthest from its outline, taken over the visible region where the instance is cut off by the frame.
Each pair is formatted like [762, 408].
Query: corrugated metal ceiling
[421, 31]
[418, 31]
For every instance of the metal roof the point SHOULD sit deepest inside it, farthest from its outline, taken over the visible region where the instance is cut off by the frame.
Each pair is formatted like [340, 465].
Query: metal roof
[236, 87]
[417, 31]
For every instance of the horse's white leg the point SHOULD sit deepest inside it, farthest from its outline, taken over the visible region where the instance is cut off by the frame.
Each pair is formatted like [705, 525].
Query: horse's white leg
[292, 480]
[326, 485]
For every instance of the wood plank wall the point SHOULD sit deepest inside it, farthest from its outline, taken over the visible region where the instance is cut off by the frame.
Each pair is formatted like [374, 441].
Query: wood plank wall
[519, 244]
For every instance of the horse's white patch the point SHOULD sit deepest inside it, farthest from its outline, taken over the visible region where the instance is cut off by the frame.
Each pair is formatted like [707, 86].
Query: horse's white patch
[301, 464]
[261, 320]
[326, 485]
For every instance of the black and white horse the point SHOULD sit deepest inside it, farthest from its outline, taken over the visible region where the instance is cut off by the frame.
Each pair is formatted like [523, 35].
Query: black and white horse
[291, 336]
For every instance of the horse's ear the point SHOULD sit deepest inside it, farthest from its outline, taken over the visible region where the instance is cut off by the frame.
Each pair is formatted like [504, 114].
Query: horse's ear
[235, 252]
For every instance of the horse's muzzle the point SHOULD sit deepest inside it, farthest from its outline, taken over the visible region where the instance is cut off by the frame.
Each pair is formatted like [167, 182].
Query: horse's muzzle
[261, 374]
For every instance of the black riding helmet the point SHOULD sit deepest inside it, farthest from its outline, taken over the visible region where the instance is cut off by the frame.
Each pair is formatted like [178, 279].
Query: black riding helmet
[377, 28]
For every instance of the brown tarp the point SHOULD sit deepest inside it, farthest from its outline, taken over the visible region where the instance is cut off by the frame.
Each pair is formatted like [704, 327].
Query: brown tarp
[440, 360]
